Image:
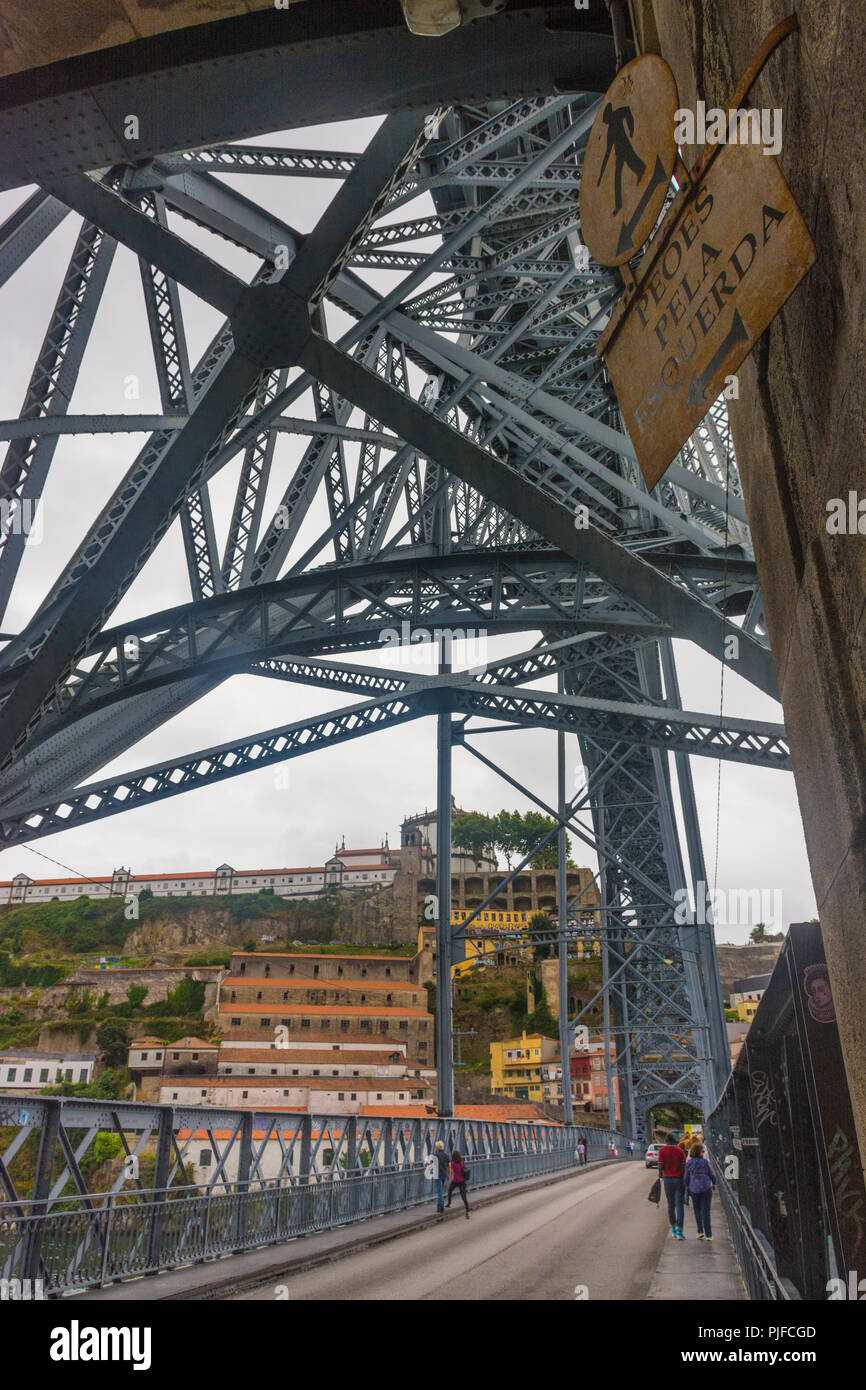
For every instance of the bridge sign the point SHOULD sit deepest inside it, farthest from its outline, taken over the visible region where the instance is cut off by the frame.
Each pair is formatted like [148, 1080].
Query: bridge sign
[729, 254]
[630, 156]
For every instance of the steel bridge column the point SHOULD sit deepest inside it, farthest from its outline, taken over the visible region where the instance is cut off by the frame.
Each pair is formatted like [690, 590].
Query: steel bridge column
[609, 1071]
[707, 957]
[160, 1183]
[562, 913]
[51, 1117]
[444, 1009]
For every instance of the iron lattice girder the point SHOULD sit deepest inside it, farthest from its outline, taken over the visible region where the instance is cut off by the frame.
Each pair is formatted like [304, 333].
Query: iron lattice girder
[606, 721]
[313, 63]
[207, 767]
[496, 481]
[28, 459]
[407, 698]
[334, 606]
[268, 322]
[528, 426]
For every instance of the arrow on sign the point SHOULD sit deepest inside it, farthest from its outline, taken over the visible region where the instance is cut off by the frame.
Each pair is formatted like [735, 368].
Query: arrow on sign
[626, 231]
[736, 334]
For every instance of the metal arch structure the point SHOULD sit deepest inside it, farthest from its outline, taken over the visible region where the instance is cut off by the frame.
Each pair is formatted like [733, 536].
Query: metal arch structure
[475, 475]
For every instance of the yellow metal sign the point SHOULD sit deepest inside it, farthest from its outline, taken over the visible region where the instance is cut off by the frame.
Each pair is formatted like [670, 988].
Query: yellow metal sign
[728, 256]
[630, 155]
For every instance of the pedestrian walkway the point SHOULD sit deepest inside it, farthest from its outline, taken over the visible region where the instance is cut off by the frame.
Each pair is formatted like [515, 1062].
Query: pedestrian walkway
[220, 1278]
[696, 1269]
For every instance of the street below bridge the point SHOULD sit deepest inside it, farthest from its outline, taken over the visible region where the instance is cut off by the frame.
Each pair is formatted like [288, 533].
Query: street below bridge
[595, 1232]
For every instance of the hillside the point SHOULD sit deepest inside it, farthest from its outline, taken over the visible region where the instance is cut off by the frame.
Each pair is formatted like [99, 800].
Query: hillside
[48, 951]
[496, 1003]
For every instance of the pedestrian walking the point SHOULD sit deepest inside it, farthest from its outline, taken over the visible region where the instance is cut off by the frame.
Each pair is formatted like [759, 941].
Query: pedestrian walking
[629, 1148]
[459, 1174]
[672, 1166]
[581, 1150]
[441, 1176]
[611, 1149]
[700, 1183]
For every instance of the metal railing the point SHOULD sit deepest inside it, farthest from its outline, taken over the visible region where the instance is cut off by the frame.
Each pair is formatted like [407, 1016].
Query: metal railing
[368, 1167]
[754, 1256]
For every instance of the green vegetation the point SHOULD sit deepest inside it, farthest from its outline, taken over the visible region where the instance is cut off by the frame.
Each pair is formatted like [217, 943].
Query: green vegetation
[215, 957]
[38, 976]
[759, 934]
[113, 1084]
[78, 927]
[112, 1039]
[512, 833]
[540, 925]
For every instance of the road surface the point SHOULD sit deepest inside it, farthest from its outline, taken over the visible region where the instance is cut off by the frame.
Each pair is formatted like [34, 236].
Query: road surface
[596, 1231]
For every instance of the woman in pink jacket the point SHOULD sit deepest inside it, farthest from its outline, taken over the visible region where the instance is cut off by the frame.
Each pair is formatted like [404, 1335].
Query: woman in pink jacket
[458, 1173]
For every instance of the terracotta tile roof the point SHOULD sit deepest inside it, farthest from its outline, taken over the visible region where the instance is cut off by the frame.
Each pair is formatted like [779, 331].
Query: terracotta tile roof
[290, 1055]
[147, 1042]
[319, 982]
[298, 1083]
[313, 955]
[52, 882]
[233, 1037]
[183, 1043]
[398, 1112]
[358, 1010]
[356, 868]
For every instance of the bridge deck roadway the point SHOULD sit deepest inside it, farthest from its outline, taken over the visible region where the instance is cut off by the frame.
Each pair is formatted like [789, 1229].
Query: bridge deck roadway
[534, 1240]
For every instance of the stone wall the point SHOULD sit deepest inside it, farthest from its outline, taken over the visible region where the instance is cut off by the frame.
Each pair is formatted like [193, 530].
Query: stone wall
[799, 430]
[159, 981]
[739, 962]
[390, 914]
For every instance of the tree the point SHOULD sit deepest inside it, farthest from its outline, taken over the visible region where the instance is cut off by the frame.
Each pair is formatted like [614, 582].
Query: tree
[534, 827]
[136, 994]
[112, 1039]
[145, 895]
[187, 997]
[507, 834]
[539, 925]
[475, 833]
[759, 934]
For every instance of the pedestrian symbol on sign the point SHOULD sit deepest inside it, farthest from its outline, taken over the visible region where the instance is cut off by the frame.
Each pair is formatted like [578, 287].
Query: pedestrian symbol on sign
[620, 129]
[629, 160]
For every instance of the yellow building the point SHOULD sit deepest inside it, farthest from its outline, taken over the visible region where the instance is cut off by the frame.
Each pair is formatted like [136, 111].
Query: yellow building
[515, 1066]
[490, 926]
[746, 1009]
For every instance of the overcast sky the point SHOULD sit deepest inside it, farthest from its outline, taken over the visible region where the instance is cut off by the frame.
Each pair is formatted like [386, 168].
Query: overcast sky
[363, 789]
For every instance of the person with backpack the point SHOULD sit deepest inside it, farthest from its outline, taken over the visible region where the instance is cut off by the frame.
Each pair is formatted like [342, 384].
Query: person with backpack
[672, 1164]
[437, 1170]
[459, 1174]
[700, 1182]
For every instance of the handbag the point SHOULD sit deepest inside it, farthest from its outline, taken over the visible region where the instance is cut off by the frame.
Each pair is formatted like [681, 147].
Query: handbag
[655, 1192]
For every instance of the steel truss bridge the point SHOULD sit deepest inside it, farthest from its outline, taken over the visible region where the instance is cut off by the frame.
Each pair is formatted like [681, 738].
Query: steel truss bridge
[270, 1176]
[464, 438]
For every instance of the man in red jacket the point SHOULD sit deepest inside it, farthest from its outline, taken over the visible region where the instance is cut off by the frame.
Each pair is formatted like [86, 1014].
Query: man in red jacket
[672, 1165]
